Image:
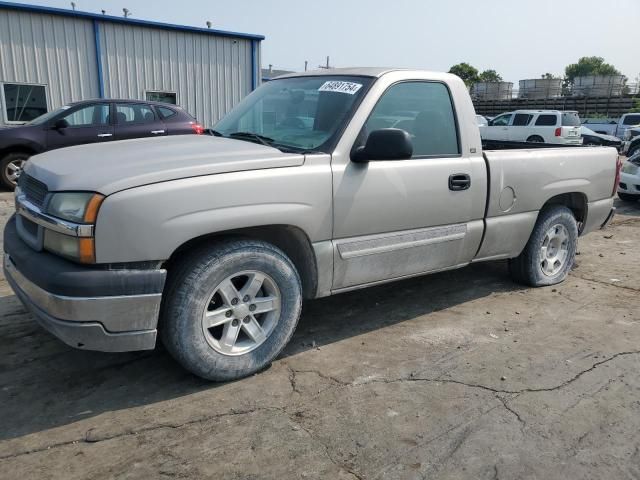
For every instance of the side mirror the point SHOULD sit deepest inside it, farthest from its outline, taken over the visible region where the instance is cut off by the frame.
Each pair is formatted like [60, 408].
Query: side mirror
[385, 144]
[60, 124]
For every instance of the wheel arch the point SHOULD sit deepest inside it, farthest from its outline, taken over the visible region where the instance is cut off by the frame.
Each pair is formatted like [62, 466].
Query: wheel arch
[18, 149]
[574, 201]
[292, 240]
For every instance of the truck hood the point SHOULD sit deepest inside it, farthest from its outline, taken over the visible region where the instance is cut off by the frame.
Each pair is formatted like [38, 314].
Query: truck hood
[110, 167]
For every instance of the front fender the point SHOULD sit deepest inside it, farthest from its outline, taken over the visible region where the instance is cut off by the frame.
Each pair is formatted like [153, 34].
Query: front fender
[150, 222]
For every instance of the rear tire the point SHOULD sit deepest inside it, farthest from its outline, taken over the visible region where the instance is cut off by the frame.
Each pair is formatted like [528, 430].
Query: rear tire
[627, 197]
[11, 167]
[230, 308]
[535, 139]
[551, 250]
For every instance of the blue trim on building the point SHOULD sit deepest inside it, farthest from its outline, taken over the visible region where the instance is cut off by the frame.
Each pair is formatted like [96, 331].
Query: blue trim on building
[254, 65]
[127, 21]
[96, 31]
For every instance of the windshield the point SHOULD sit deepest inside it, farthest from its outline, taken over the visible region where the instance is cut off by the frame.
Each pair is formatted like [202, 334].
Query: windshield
[570, 119]
[301, 113]
[48, 116]
[631, 120]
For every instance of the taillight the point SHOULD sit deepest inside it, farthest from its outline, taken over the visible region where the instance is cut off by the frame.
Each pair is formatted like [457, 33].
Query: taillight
[559, 132]
[197, 128]
[618, 168]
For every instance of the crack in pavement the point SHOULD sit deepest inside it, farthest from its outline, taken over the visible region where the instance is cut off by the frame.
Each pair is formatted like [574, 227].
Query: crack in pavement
[327, 453]
[89, 438]
[505, 403]
[602, 282]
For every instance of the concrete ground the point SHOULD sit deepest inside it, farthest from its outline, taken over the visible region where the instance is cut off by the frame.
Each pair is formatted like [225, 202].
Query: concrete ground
[457, 375]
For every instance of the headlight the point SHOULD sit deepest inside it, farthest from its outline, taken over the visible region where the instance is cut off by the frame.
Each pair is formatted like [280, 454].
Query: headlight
[630, 168]
[77, 207]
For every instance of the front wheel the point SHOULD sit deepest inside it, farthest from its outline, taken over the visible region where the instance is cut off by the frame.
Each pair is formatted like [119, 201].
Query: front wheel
[551, 250]
[230, 309]
[11, 167]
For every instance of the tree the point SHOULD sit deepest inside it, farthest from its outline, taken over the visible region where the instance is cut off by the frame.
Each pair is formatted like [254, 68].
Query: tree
[466, 72]
[589, 66]
[490, 76]
[549, 76]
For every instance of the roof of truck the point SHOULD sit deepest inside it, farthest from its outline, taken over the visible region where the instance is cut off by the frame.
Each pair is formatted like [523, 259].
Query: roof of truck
[357, 71]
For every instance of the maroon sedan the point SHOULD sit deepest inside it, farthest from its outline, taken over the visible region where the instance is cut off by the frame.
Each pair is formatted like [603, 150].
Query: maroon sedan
[89, 121]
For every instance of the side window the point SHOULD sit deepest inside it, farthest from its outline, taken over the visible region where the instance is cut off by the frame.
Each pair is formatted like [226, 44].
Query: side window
[501, 121]
[91, 115]
[423, 109]
[547, 121]
[134, 113]
[521, 119]
[631, 120]
[166, 112]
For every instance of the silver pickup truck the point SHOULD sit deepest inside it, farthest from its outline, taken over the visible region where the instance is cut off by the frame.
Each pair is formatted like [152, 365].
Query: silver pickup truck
[315, 184]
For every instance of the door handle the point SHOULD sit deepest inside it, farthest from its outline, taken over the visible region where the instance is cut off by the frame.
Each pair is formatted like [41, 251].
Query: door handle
[105, 135]
[459, 181]
[157, 132]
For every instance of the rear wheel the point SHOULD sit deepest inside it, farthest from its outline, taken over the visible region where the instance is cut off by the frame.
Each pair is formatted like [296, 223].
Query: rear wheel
[550, 252]
[627, 197]
[231, 308]
[11, 167]
[535, 139]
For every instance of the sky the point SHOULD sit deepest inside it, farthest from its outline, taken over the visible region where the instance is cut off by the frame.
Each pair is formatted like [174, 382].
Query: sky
[519, 39]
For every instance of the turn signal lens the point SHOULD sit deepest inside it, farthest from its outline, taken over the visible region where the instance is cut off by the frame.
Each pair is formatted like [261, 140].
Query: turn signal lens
[91, 212]
[87, 250]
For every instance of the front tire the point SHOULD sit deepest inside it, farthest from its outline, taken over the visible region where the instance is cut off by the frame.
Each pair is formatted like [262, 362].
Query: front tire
[633, 150]
[627, 197]
[11, 167]
[551, 250]
[231, 308]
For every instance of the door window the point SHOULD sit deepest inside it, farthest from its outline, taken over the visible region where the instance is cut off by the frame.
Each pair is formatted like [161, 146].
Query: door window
[425, 111]
[23, 103]
[501, 121]
[91, 115]
[133, 113]
[547, 121]
[522, 119]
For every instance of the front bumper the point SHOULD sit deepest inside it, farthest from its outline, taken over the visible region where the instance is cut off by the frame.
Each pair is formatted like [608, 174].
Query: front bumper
[629, 184]
[86, 307]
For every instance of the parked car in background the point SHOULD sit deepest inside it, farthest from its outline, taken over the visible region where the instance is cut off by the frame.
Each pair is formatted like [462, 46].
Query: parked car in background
[482, 121]
[609, 126]
[90, 121]
[631, 141]
[535, 126]
[589, 137]
[629, 186]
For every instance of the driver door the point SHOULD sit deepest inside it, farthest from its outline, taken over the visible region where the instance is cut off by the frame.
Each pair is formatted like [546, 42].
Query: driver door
[396, 218]
[498, 128]
[85, 124]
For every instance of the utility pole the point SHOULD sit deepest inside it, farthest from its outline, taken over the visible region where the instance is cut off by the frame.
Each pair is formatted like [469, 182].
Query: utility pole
[126, 12]
[73, 6]
[306, 64]
[327, 66]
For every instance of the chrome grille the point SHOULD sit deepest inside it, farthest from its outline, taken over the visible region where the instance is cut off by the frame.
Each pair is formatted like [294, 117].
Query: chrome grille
[33, 189]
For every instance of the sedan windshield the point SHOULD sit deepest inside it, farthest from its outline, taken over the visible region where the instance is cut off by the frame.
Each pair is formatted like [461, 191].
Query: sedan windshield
[299, 113]
[47, 116]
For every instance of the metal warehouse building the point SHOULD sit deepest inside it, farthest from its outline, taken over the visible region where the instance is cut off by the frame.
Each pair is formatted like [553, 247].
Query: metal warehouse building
[50, 57]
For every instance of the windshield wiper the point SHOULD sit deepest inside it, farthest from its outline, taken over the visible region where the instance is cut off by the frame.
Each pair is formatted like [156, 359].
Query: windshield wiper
[266, 141]
[215, 133]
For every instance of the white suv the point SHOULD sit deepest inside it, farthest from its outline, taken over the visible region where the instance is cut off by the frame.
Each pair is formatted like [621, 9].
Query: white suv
[539, 126]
